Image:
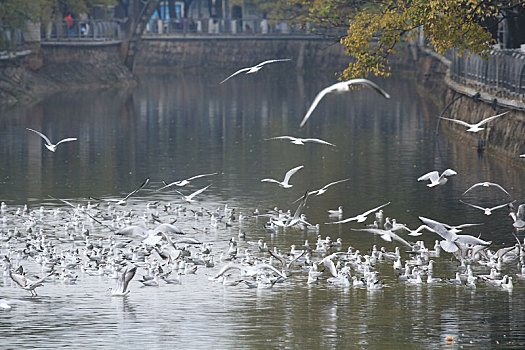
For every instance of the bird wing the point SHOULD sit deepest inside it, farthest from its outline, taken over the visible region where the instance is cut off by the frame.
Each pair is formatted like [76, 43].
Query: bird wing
[334, 183]
[138, 189]
[375, 209]
[458, 122]
[520, 214]
[234, 74]
[69, 139]
[319, 141]
[500, 206]
[273, 61]
[468, 239]
[127, 277]
[370, 84]
[486, 120]
[329, 264]
[317, 99]
[448, 172]
[439, 228]
[301, 206]
[169, 228]
[133, 230]
[278, 257]
[473, 205]
[270, 180]
[18, 279]
[41, 135]
[291, 138]
[199, 176]
[476, 185]
[432, 176]
[167, 185]
[290, 172]
[344, 221]
[401, 240]
[297, 257]
[197, 192]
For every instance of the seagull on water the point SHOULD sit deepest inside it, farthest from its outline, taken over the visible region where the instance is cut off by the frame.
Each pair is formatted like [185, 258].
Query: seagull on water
[182, 183]
[49, 145]
[486, 184]
[360, 217]
[287, 177]
[123, 281]
[256, 68]
[340, 87]
[475, 127]
[435, 178]
[486, 211]
[300, 141]
[27, 284]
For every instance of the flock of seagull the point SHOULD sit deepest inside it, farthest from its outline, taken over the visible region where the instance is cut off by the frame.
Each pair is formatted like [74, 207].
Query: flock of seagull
[105, 237]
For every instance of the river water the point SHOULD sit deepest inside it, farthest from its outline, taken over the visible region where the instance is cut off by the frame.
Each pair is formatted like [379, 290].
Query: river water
[173, 127]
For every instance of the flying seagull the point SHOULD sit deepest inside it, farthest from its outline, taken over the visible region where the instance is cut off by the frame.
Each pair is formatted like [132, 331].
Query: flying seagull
[48, 144]
[450, 238]
[360, 217]
[123, 280]
[27, 284]
[300, 141]
[256, 68]
[340, 87]
[486, 184]
[435, 178]
[475, 127]
[182, 183]
[287, 177]
[323, 190]
[522, 155]
[123, 200]
[487, 211]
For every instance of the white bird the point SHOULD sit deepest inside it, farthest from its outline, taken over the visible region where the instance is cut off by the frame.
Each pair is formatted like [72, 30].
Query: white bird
[256, 68]
[27, 284]
[49, 145]
[450, 238]
[435, 178]
[360, 217]
[475, 127]
[123, 280]
[486, 184]
[336, 212]
[340, 87]
[486, 211]
[182, 183]
[287, 177]
[190, 197]
[300, 141]
[522, 155]
[323, 190]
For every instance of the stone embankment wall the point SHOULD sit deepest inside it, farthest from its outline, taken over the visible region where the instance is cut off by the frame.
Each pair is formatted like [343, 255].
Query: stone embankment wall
[52, 67]
[172, 53]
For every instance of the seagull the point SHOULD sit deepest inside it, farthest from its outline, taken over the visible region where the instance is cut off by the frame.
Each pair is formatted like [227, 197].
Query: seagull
[486, 184]
[475, 127]
[123, 201]
[435, 178]
[300, 141]
[360, 217]
[387, 235]
[182, 183]
[450, 238]
[323, 190]
[518, 216]
[49, 145]
[287, 177]
[122, 282]
[255, 69]
[336, 212]
[522, 155]
[340, 87]
[27, 284]
[189, 198]
[486, 211]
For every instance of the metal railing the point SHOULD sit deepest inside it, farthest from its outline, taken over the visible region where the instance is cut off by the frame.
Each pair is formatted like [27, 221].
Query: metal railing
[502, 72]
[80, 30]
[235, 26]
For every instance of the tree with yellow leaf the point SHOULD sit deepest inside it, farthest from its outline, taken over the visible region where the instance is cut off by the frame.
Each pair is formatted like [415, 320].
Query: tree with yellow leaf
[375, 27]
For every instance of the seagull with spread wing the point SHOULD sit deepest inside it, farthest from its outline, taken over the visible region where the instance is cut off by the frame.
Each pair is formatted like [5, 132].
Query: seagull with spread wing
[121, 289]
[486, 184]
[487, 211]
[48, 144]
[256, 68]
[360, 217]
[436, 179]
[190, 197]
[182, 183]
[300, 141]
[287, 177]
[341, 87]
[475, 127]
